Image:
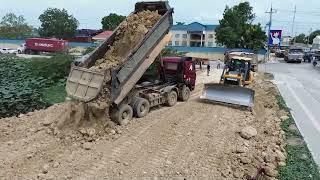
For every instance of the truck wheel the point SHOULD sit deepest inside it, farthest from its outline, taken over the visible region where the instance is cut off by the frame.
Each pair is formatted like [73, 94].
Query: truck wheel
[141, 107]
[122, 115]
[172, 98]
[185, 93]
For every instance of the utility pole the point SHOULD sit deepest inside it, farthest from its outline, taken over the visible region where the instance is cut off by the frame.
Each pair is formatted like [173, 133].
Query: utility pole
[292, 29]
[309, 36]
[269, 28]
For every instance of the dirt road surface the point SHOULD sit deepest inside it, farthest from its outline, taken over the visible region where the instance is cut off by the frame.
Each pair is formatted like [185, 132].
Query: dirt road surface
[192, 139]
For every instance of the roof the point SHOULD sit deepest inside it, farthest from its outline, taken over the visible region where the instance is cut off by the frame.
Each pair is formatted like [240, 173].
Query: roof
[102, 36]
[195, 26]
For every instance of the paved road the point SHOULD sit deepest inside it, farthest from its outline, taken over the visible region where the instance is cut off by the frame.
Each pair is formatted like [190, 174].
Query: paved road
[299, 84]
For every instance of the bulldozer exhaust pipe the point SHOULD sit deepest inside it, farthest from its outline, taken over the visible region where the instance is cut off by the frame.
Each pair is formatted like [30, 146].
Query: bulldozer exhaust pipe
[228, 94]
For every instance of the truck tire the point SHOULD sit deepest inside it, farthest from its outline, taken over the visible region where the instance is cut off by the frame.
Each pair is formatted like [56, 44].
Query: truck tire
[185, 94]
[141, 107]
[172, 98]
[122, 115]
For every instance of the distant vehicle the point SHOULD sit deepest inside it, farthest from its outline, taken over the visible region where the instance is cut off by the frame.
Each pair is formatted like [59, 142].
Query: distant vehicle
[37, 45]
[294, 55]
[21, 49]
[8, 51]
[280, 53]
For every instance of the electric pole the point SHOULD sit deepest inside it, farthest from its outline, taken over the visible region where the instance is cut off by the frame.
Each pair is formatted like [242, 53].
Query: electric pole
[269, 28]
[294, 18]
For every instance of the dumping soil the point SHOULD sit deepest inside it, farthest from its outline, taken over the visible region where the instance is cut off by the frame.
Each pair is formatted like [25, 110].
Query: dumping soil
[95, 114]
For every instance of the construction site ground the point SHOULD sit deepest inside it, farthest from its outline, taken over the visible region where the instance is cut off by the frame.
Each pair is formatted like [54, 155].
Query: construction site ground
[191, 139]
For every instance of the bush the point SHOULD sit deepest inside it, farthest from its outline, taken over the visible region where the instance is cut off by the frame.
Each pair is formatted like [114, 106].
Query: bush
[24, 81]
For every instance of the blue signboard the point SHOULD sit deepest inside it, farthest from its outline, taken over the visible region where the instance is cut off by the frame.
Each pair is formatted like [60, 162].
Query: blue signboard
[275, 38]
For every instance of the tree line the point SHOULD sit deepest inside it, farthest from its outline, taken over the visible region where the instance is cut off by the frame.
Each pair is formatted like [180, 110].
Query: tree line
[55, 22]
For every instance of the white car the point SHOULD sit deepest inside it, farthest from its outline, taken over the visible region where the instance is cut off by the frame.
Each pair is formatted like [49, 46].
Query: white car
[8, 51]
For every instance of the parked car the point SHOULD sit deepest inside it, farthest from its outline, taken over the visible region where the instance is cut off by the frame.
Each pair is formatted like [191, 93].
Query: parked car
[8, 51]
[294, 55]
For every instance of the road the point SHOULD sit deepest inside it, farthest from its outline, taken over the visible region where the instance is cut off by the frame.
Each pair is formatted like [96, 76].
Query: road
[299, 84]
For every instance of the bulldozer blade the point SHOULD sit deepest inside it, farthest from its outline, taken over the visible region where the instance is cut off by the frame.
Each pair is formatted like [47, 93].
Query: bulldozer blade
[228, 94]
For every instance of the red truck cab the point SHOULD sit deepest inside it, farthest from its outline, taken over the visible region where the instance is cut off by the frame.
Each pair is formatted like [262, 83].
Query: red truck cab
[180, 70]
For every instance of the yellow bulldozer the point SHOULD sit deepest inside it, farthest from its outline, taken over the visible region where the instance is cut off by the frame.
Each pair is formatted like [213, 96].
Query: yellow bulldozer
[238, 72]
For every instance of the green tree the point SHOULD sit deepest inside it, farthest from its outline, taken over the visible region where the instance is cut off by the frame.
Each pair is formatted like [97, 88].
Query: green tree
[236, 29]
[313, 35]
[111, 21]
[12, 26]
[57, 23]
[301, 38]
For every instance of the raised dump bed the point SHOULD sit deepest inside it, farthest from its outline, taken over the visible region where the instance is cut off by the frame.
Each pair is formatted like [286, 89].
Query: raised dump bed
[85, 82]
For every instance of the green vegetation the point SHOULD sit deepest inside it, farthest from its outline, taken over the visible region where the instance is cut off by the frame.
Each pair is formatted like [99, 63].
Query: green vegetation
[111, 21]
[236, 29]
[299, 163]
[57, 23]
[13, 26]
[30, 84]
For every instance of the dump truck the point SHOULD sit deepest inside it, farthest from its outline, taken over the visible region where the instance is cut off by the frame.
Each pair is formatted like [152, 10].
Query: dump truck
[237, 73]
[130, 97]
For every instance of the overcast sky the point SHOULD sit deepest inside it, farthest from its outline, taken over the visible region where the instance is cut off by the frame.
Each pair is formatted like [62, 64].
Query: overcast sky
[90, 12]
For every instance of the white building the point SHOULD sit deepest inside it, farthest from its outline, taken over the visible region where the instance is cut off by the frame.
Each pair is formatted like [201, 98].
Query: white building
[193, 35]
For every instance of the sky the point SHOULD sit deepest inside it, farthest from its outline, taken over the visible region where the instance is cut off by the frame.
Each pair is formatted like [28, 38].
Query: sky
[90, 12]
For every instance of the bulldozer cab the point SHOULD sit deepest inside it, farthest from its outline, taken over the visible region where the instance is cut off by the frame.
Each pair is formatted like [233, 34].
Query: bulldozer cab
[237, 71]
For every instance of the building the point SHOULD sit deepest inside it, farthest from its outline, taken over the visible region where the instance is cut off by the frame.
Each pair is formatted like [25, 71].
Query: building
[193, 35]
[102, 36]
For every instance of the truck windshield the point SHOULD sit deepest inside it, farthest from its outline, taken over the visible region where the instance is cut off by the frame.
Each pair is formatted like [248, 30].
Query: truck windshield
[171, 66]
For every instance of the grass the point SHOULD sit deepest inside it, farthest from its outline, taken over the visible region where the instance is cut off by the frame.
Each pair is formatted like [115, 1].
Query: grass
[54, 94]
[299, 164]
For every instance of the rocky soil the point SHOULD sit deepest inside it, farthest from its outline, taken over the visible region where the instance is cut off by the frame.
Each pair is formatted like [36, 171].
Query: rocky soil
[192, 139]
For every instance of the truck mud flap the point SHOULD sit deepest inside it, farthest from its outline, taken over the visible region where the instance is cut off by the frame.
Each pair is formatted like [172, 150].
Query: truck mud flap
[228, 94]
[84, 84]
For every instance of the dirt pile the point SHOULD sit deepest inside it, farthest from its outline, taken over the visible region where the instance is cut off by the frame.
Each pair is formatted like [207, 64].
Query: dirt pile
[129, 34]
[260, 145]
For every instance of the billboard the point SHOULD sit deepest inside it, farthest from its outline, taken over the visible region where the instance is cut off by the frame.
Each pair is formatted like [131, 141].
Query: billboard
[275, 38]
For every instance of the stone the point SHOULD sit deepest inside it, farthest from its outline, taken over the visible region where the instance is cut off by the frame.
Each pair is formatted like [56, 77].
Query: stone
[45, 169]
[47, 122]
[87, 146]
[91, 132]
[280, 157]
[118, 131]
[29, 156]
[245, 160]
[10, 143]
[270, 170]
[248, 132]
[241, 149]
[126, 164]
[112, 132]
[56, 165]
[283, 118]
[238, 173]
[282, 164]
[269, 158]
[21, 115]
